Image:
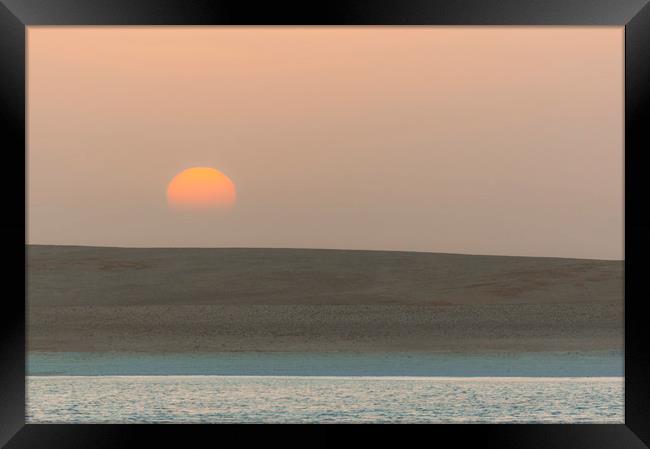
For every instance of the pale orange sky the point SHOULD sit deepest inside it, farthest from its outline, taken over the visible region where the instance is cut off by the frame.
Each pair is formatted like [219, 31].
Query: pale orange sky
[479, 140]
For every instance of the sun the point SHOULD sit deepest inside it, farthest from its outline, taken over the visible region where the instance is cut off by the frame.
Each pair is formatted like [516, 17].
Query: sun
[201, 189]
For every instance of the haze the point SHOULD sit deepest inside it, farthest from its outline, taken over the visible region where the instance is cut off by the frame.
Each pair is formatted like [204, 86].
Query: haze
[480, 140]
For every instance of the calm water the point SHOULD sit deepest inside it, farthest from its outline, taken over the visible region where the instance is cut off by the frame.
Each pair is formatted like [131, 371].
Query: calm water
[302, 399]
[541, 364]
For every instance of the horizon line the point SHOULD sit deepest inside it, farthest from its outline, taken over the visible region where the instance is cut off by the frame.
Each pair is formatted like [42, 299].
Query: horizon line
[314, 249]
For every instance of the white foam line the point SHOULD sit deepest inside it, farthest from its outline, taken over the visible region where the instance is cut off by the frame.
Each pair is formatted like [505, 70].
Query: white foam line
[407, 378]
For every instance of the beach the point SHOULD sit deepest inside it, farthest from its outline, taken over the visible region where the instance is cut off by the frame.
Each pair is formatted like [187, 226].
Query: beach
[219, 300]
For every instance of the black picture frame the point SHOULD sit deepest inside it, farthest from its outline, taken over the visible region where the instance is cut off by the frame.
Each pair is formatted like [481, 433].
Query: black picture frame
[16, 15]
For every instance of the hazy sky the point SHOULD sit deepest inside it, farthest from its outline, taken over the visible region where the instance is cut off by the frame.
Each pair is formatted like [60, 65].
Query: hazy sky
[480, 140]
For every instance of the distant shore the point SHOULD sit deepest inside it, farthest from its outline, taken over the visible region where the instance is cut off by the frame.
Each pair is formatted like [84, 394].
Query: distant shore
[222, 300]
[364, 328]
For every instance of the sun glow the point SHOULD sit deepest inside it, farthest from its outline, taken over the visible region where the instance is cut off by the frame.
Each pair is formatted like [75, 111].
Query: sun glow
[201, 189]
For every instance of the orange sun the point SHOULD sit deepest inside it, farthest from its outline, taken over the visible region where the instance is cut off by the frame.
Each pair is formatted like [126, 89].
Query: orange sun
[201, 189]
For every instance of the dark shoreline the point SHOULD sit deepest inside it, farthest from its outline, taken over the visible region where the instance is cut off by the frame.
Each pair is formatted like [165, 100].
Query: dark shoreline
[323, 328]
[83, 299]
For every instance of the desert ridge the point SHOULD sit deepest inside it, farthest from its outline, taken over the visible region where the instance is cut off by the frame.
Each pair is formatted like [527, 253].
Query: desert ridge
[268, 300]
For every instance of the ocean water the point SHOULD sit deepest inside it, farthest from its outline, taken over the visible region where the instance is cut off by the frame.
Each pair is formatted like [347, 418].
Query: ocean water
[323, 399]
[538, 364]
[553, 387]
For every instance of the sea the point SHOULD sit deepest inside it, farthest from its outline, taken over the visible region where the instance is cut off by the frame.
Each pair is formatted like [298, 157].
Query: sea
[548, 387]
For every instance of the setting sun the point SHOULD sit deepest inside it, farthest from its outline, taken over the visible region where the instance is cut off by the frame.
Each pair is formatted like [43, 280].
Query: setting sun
[200, 189]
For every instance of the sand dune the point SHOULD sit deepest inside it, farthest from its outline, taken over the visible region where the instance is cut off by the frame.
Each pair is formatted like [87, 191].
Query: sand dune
[111, 299]
[113, 276]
